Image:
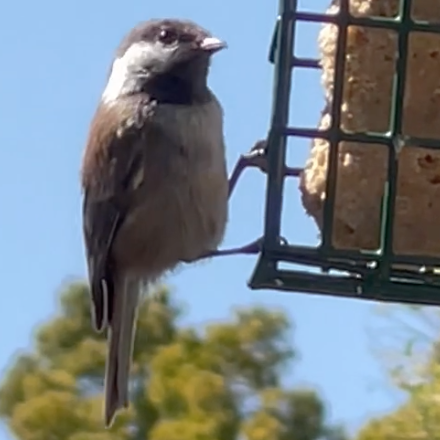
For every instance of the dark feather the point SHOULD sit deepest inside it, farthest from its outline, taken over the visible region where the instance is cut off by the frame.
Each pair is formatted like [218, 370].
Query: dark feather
[149, 30]
[111, 168]
[101, 222]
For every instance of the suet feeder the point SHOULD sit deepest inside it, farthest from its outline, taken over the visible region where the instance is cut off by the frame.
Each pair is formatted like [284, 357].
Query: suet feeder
[372, 179]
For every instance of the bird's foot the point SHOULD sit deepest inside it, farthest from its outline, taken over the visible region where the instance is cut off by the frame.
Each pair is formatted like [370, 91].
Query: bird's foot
[248, 249]
[256, 158]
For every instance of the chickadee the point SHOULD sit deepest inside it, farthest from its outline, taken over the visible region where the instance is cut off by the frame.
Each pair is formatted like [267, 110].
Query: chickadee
[154, 178]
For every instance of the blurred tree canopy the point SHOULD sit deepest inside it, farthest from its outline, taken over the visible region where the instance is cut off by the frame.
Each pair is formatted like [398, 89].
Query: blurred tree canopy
[417, 374]
[418, 418]
[222, 383]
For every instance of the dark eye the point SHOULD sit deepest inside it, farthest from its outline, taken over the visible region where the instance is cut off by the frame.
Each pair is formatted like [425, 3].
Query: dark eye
[168, 36]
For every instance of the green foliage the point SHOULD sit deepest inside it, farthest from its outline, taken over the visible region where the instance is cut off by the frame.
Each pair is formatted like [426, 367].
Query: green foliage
[415, 371]
[418, 418]
[222, 383]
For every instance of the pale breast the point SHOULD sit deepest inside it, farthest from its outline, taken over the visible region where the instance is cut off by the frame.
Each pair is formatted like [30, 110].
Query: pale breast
[198, 128]
[184, 213]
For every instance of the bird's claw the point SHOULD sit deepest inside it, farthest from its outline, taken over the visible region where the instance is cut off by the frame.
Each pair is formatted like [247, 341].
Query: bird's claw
[256, 158]
[249, 249]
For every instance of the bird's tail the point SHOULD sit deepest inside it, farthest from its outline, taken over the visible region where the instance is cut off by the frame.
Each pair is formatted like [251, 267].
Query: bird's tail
[121, 335]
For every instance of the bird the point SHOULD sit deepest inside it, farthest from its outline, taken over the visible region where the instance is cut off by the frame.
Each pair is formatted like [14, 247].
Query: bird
[153, 178]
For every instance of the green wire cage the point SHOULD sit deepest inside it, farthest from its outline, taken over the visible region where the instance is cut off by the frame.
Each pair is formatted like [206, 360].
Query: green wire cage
[377, 274]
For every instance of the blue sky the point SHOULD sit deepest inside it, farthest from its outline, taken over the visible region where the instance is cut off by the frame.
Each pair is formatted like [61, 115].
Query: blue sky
[55, 56]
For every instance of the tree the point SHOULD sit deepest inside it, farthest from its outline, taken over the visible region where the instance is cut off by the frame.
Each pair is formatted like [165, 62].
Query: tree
[418, 418]
[219, 384]
[416, 372]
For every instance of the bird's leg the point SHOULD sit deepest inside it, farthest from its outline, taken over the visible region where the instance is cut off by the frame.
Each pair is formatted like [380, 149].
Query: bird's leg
[255, 158]
[248, 249]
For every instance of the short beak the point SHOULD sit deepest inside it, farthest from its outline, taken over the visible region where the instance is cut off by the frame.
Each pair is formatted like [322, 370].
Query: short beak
[212, 44]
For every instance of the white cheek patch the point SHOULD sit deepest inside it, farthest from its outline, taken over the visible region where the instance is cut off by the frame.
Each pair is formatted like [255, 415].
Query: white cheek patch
[119, 74]
[138, 54]
[116, 81]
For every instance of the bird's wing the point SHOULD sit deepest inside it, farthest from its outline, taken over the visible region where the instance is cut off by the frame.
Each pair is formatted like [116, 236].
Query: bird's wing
[110, 176]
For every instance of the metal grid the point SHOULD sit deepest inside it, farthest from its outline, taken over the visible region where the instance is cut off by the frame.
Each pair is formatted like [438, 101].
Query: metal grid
[362, 274]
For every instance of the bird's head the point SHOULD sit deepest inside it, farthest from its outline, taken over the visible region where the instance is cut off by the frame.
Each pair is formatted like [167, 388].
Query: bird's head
[167, 57]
